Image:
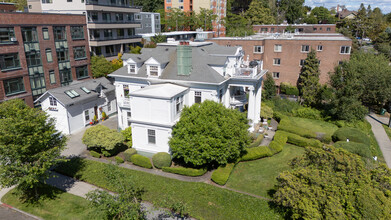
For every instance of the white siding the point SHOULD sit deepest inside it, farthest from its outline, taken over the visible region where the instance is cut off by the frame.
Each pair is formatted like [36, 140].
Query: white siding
[140, 138]
[150, 110]
[74, 7]
[60, 115]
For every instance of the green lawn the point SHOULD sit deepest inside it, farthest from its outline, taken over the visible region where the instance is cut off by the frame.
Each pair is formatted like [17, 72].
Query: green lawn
[203, 201]
[59, 205]
[388, 131]
[259, 176]
[314, 125]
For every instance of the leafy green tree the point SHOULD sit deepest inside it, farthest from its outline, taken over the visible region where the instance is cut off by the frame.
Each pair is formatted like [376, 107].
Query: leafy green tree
[323, 15]
[259, 13]
[237, 25]
[126, 204]
[205, 18]
[291, 10]
[209, 134]
[269, 87]
[330, 183]
[127, 133]
[100, 66]
[117, 63]
[308, 83]
[135, 50]
[29, 146]
[20, 4]
[102, 137]
[149, 5]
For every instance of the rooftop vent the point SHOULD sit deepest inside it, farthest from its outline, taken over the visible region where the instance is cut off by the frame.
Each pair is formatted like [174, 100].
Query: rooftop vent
[184, 58]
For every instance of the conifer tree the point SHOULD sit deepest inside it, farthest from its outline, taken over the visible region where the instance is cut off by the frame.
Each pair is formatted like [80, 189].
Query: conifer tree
[308, 83]
[269, 87]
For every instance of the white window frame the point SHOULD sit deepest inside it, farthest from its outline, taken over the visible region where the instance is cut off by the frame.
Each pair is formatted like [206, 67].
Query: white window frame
[132, 68]
[302, 62]
[320, 48]
[276, 75]
[152, 70]
[86, 115]
[179, 104]
[277, 48]
[305, 48]
[109, 107]
[345, 50]
[52, 101]
[258, 49]
[197, 94]
[276, 61]
[151, 135]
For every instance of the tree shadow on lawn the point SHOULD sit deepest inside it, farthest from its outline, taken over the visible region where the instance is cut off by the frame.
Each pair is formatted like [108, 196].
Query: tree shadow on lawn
[71, 167]
[35, 196]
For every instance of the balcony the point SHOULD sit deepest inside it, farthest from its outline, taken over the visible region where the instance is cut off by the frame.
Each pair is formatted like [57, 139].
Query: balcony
[96, 42]
[124, 103]
[110, 25]
[248, 70]
[111, 6]
[238, 100]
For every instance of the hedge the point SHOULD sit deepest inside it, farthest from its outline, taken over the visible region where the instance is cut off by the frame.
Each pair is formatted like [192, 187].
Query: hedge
[256, 153]
[185, 171]
[95, 154]
[118, 159]
[300, 141]
[221, 174]
[257, 141]
[285, 125]
[161, 159]
[289, 89]
[279, 116]
[141, 161]
[278, 143]
[129, 152]
[353, 134]
[355, 147]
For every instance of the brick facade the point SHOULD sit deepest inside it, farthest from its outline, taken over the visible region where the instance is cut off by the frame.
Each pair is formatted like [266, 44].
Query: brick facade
[7, 7]
[301, 28]
[17, 21]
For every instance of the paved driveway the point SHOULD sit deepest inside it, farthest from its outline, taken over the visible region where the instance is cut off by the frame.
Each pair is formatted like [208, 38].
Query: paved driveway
[75, 147]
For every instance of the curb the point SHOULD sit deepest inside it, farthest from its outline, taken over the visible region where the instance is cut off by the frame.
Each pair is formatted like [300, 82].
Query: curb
[20, 211]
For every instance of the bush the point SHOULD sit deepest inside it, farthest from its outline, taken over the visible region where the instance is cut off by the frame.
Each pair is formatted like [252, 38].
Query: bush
[127, 133]
[285, 105]
[161, 159]
[300, 141]
[106, 153]
[279, 116]
[221, 175]
[353, 134]
[185, 171]
[266, 110]
[102, 137]
[256, 153]
[278, 143]
[257, 141]
[286, 125]
[289, 89]
[355, 147]
[141, 161]
[129, 152]
[95, 154]
[119, 159]
[307, 112]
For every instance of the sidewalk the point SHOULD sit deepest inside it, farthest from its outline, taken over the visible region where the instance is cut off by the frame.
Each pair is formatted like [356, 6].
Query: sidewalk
[381, 136]
[10, 213]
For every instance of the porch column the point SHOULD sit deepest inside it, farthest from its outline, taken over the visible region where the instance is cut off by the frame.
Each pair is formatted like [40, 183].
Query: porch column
[251, 108]
[227, 97]
[258, 98]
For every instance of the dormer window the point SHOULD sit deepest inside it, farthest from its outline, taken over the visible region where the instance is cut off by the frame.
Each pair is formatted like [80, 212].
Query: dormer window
[153, 70]
[132, 68]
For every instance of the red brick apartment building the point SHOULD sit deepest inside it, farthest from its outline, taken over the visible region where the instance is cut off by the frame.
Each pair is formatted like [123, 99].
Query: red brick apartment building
[284, 54]
[7, 7]
[299, 28]
[39, 52]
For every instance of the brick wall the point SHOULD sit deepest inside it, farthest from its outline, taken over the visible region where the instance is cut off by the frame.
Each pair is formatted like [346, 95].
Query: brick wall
[315, 28]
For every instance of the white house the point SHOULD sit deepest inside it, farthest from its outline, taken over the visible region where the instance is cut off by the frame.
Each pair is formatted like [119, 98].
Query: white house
[74, 106]
[153, 87]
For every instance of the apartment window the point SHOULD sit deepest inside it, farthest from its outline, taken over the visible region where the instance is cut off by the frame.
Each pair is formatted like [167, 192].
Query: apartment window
[258, 49]
[77, 33]
[120, 33]
[94, 34]
[52, 77]
[107, 33]
[79, 53]
[151, 136]
[82, 1]
[272, 30]
[340, 62]
[302, 62]
[180, 1]
[87, 115]
[109, 107]
[276, 61]
[119, 17]
[33, 58]
[328, 29]
[30, 35]
[45, 33]
[319, 62]
[320, 48]
[9, 61]
[130, 17]
[130, 31]
[82, 72]
[132, 69]
[13, 86]
[277, 48]
[263, 29]
[106, 17]
[179, 104]
[153, 70]
[168, 1]
[52, 101]
[129, 115]
[305, 48]
[181, 7]
[62, 55]
[92, 16]
[59, 33]
[345, 50]
[197, 97]
[49, 56]
[315, 29]
[47, 1]
[137, 17]
[69, 0]
[156, 17]
[37, 82]
[6, 34]
[110, 50]
[276, 75]
[65, 77]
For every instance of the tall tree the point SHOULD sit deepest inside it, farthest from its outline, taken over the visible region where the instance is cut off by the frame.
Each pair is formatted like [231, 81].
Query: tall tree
[308, 83]
[269, 87]
[259, 13]
[149, 5]
[100, 66]
[29, 146]
[290, 9]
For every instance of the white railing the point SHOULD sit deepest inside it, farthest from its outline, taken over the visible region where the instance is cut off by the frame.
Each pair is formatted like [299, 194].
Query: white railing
[235, 99]
[124, 103]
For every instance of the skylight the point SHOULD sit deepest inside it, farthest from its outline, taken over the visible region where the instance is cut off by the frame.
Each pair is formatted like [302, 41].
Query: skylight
[72, 93]
[85, 90]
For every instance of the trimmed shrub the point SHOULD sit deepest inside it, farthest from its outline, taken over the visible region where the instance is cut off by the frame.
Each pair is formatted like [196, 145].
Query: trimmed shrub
[141, 161]
[221, 174]
[279, 116]
[257, 141]
[278, 143]
[161, 159]
[306, 112]
[289, 89]
[300, 141]
[355, 147]
[106, 153]
[129, 152]
[286, 125]
[102, 137]
[95, 154]
[119, 159]
[127, 133]
[256, 153]
[326, 138]
[285, 105]
[185, 171]
[353, 134]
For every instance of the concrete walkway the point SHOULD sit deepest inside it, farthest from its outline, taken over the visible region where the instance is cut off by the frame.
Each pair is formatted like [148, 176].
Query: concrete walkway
[381, 136]
[266, 141]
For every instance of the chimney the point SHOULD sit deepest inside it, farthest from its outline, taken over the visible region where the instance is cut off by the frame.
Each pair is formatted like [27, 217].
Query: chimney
[184, 58]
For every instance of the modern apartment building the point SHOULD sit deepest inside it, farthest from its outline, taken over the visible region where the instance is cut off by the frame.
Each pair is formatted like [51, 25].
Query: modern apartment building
[283, 55]
[111, 24]
[298, 28]
[219, 8]
[150, 23]
[40, 52]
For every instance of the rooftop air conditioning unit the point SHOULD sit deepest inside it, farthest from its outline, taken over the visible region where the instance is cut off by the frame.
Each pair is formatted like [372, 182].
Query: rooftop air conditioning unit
[13, 39]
